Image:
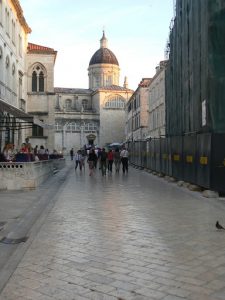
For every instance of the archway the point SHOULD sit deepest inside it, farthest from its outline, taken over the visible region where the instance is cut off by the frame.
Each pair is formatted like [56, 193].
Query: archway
[90, 139]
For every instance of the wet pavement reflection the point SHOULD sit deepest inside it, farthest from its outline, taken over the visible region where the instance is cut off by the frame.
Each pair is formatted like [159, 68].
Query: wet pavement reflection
[121, 236]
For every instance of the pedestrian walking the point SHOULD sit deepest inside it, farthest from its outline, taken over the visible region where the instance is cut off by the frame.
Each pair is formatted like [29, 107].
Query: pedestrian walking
[82, 160]
[78, 160]
[92, 157]
[124, 159]
[103, 161]
[71, 153]
[110, 160]
[117, 160]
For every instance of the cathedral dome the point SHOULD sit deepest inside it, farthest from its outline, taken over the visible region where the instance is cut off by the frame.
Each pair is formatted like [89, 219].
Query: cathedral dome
[103, 55]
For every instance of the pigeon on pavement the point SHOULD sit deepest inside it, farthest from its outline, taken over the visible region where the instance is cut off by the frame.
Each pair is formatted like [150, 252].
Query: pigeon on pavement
[218, 226]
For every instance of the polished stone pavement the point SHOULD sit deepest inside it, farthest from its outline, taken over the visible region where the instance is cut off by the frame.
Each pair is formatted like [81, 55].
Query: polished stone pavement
[128, 236]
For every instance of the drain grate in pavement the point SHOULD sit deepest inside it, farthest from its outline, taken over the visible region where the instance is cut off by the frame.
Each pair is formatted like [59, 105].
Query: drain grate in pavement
[6, 240]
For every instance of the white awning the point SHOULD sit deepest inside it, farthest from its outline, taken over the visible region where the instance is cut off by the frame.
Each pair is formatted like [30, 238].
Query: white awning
[15, 112]
[21, 115]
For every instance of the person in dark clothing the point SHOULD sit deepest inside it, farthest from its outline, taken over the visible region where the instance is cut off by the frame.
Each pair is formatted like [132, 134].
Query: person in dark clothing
[117, 160]
[110, 161]
[92, 158]
[71, 153]
[103, 161]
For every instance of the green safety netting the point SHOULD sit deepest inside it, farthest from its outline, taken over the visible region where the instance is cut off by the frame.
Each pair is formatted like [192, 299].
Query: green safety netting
[195, 78]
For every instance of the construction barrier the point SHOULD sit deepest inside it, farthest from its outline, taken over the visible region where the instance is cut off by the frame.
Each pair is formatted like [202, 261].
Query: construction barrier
[197, 159]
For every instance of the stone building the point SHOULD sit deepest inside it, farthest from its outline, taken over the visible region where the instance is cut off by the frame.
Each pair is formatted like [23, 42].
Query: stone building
[40, 94]
[156, 126]
[75, 117]
[137, 117]
[31, 107]
[14, 32]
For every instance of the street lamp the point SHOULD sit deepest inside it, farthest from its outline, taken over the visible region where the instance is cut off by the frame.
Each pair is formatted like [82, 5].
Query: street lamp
[64, 135]
[81, 135]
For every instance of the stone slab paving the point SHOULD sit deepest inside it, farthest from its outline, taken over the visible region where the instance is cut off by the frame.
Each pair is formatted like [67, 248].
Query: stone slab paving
[124, 237]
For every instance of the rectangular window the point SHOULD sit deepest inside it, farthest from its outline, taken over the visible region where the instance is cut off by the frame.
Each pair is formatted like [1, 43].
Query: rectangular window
[78, 127]
[73, 126]
[1, 12]
[20, 85]
[68, 104]
[37, 130]
[13, 32]
[85, 104]
[7, 21]
[20, 45]
[22, 103]
[97, 81]
[109, 81]
[58, 127]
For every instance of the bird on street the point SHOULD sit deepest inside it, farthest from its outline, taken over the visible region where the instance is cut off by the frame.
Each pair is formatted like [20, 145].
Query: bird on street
[218, 226]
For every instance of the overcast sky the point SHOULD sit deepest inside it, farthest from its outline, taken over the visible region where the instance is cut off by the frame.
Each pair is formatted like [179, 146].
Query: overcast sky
[137, 32]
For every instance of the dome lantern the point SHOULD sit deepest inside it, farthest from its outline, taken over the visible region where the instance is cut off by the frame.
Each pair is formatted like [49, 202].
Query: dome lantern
[103, 41]
[103, 55]
[103, 67]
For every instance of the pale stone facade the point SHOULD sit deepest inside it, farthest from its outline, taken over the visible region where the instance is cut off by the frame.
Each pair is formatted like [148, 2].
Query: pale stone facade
[112, 102]
[40, 94]
[157, 103]
[13, 44]
[76, 117]
[137, 113]
[59, 118]
[86, 117]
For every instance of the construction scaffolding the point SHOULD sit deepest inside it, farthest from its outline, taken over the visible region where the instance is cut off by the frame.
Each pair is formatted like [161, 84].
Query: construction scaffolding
[195, 78]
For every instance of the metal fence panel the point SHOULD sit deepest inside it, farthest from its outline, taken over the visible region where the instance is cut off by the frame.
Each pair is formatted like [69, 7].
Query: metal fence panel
[218, 163]
[189, 158]
[203, 155]
[164, 156]
[157, 156]
[152, 155]
[177, 155]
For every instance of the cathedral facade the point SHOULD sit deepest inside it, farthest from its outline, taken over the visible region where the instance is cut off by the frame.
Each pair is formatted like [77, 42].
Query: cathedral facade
[74, 117]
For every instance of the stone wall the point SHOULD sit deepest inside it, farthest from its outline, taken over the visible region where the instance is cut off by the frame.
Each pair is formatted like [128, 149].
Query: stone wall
[27, 175]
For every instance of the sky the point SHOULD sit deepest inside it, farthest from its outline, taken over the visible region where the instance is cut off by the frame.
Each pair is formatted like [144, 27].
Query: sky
[137, 33]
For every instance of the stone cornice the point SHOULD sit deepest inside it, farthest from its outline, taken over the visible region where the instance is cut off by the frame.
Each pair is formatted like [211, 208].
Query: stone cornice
[20, 15]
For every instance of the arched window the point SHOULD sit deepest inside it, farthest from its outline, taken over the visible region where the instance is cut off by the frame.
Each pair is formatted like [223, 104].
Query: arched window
[41, 82]
[34, 81]
[38, 78]
[115, 102]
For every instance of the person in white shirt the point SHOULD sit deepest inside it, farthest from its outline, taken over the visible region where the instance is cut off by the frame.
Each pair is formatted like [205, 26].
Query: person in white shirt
[124, 159]
[78, 158]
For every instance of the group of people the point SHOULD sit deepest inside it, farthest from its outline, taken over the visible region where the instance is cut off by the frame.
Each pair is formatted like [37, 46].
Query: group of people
[27, 153]
[9, 151]
[105, 159]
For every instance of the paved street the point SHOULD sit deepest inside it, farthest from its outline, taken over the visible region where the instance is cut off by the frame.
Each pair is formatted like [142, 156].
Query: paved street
[121, 237]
